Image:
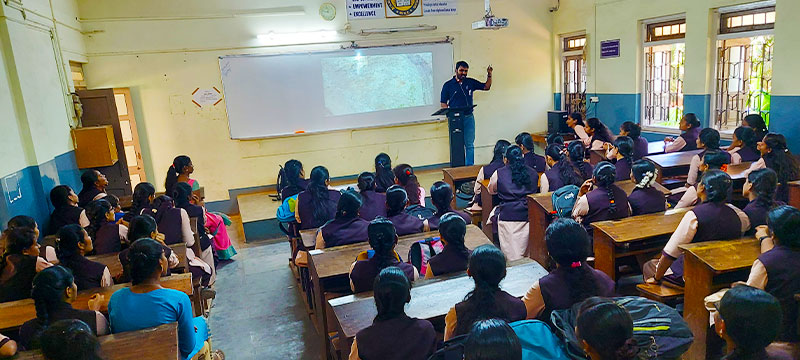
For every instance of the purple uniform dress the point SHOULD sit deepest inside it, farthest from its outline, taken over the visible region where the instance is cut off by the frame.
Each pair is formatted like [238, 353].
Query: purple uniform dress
[306, 209]
[401, 338]
[535, 162]
[406, 224]
[170, 223]
[65, 215]
[623, 169]
[343, 231]
[600, 206]
[513, 197]
[450, 260]
[690, 137]
[556, 285]
[640, 148]
[709, 217]
[757, 212]
[554, 180]
[488, 171]
[513, 308]
[585, 169]
[646, 201]
[107, 239]
[749, 154]
[783, 281]
[364, 272]
[19, 286]
[88, 274]
[374, 205]
[60, 311]
[433, 222]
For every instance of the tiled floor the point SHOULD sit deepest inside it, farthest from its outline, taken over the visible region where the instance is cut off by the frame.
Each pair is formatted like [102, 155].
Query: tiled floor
[258, 313]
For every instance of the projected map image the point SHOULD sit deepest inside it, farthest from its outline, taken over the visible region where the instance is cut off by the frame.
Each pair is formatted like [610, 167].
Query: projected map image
[360, 84]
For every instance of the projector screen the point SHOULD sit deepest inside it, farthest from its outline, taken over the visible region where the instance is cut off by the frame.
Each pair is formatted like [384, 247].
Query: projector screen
[279, 95]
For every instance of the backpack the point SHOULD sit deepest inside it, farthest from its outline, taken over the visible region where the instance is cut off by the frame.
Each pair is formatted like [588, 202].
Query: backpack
[279, 184]
[422, 251]
[564, 200]
[420, 212]
[538, 341]
[285, 212]
[659, 330]
[452, 349]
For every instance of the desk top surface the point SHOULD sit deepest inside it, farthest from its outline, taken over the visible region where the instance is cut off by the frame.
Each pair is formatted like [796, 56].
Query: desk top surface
[545, 200]
[463, 172]
[725, 256]
[431, 299]
[641, 227]
[674, 159]
[336, 261]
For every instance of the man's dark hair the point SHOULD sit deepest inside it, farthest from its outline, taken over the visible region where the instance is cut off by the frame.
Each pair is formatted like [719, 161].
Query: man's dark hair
[463, 64]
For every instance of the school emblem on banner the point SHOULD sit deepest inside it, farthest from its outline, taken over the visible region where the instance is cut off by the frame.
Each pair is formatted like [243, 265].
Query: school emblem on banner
[403, 8]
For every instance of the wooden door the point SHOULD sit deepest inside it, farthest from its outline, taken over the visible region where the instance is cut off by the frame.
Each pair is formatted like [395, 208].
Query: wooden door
[130, 136]
[99, 108]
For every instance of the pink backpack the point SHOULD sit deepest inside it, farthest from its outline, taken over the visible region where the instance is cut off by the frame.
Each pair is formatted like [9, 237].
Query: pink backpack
[422, 251]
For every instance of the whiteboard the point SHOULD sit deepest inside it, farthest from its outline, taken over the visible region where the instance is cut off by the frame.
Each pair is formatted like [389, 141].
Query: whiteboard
[280, 95]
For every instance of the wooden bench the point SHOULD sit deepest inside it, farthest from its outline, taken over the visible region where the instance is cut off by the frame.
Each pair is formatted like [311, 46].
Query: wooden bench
[333, 264]
[708, 265]
[672, 164]
[157, 343]
[452, 176]
[14, 313]
[660, 292]
[540, 208]
[429, 300]
[487, 204]
[111, 260]
[631, 236]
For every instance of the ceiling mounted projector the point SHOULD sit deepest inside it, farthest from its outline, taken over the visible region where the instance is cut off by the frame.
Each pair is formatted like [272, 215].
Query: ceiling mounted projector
[489, 21]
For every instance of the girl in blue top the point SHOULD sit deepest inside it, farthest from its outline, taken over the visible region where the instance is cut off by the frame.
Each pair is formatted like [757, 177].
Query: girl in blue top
[147, 304]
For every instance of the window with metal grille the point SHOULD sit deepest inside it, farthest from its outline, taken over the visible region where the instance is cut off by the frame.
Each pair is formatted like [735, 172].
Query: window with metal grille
[664, 56]
[574, 92]
[745, 48]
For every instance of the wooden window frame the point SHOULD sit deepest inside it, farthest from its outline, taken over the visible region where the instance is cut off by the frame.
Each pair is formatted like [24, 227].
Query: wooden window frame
[652, 37]
[574, 48]
[723, 21]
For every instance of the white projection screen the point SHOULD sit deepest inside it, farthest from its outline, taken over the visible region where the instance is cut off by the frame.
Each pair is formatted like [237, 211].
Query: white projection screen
[279, 95]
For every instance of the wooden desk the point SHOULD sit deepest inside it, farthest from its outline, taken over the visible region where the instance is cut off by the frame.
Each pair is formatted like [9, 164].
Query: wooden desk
[453, 175]
[794, 194]
[14, 313]
[596, 156]
[328, 264]
[157, 343]
[540, 207]
[655, 147]
[702, 262]
[487, 204]
[632, 236]
[115, 266]
[540, 138]
[672, 164]
[428, 300]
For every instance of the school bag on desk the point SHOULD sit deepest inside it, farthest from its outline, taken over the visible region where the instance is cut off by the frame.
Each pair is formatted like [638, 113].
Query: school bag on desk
[419, 211]
[422, 251]
[564, 200]
[658, 329]
[452, 349]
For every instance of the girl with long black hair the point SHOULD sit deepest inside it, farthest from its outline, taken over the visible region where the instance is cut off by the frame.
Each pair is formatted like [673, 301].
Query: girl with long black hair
[606, 330]
[600, 199]
[708, 140]
[562, 171]
[577, 156]
[640, 144]
[757, 123]
[317, 204]
[66, 210]
[294, 179]
[600, 134]
[179, 171]
[702, 223]
[488, 170]
[622, 156]
[107, 235]
[346, 227]
[189, 206]
[144, 226]
[487, 267]
[54, 291]
[645, 199]
[143, 195]
[455, 255]
[382, 239]
[384, 177]
[575, 121]
[573, 280]
[396, 203]
[20, 260]
[775, 155]
[373, 203]
[760, 188]
[441, 197]
[509, 219]
[492, 339]
[404, 174]
[93, 187]
[73, 244]
[712, 160]
[744, 147]
[525, 142]
[393, 335]
[690, 127]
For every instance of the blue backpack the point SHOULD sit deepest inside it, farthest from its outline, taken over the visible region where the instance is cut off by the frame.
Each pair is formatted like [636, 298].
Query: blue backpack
[564, 200]
[285, 213]
[538, 341]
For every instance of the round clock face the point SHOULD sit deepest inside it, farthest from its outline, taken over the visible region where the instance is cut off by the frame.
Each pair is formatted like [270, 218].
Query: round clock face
[327, 11]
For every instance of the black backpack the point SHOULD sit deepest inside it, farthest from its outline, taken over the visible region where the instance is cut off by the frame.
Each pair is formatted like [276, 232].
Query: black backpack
[420, 212]
[452, 349]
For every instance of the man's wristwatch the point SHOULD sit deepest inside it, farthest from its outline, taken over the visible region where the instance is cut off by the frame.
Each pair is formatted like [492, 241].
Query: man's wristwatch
[761, 239]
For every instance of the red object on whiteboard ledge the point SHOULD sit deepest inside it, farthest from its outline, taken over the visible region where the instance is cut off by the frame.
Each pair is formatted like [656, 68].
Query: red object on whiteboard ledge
[299, 131]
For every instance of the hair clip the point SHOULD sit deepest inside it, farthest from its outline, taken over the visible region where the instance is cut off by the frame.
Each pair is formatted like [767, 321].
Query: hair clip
[724, 167]
[611, 201]
[408, 172]
[786, 150]
[575, 264]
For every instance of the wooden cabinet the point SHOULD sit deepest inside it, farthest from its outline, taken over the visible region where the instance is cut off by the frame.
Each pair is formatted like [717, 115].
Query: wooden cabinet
[95, 146]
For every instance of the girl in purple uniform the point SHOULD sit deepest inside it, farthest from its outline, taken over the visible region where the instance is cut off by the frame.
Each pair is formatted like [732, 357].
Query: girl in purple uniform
[346, 227]
[317, 204]
[107, 235]
[382, 239]
[577, 155]
[708, 140]
[488, 170]
[455, 254]
[760, 189]
[600, 199]
[562, 172]
[373, 203]
[622, 155]
[384, 177]
[744, 147]
[441, 197]
[525, 142]
[640, 144]
[512, 184]
[645, 199]
[396, 203]
[690, 126]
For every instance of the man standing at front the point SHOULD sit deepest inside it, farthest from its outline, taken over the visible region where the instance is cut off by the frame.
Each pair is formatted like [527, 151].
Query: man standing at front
[457, 93]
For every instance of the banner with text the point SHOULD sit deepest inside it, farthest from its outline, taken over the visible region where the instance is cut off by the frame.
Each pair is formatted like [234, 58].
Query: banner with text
[379, 9]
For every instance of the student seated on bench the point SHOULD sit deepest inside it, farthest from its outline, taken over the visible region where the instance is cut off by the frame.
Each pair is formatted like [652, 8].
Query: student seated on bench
[147, 304]
[645, 199]
[562, 172]
[760, 188]
[382, 239]
[54, 291]
[73, 243]
[373, 202]
[712, 160]
[66, 209]
[394, 335]
[605, 330]
[70, 340]
[573, 280]
[749, 319]
[600, 199]
[690, 127]
[487, 267]
[107, 235]
[441, 197]
[8, 347]
[144, 226]
[346, 227]
[455, 255]
[488, 170]
[492, 339]
[20, 262]
[776, 269]
[714, 219]
[404, 223]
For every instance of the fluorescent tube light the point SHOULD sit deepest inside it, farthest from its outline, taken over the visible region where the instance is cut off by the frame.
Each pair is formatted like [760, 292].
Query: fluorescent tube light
[398, 29]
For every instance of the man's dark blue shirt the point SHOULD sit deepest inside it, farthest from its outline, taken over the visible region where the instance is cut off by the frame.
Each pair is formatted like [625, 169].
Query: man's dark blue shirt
[457, 95]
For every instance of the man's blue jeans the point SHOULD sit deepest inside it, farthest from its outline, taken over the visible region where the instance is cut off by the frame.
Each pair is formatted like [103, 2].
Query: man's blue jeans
[469, 139]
